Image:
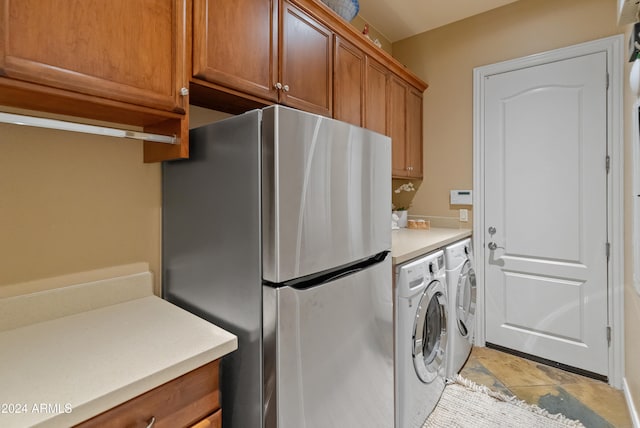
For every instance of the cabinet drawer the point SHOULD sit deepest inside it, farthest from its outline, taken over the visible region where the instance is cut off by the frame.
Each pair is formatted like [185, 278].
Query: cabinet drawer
[181, 402]
[213, 421]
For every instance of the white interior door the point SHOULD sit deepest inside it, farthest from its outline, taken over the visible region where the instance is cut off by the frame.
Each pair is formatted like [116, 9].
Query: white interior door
[546, 211]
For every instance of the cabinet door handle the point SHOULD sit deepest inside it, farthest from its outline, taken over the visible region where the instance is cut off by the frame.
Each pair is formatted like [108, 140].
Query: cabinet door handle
[278, 86]
[184, 92]
[152, 422]
[286, 88]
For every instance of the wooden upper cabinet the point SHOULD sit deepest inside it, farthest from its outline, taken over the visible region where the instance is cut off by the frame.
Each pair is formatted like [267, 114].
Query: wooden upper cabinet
[405, 129]
[414, 133]
[376, 95]
[348, 83]
[397, 126]
[119, 50]
[306, 61]
[235, 44]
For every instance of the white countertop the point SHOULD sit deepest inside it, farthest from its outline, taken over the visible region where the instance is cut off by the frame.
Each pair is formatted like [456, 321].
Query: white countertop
[82, 364]
[407, 244]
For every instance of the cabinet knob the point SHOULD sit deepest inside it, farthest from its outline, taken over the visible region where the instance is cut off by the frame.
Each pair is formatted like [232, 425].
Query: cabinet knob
[278, 85]
[286, 88]
[184, 92]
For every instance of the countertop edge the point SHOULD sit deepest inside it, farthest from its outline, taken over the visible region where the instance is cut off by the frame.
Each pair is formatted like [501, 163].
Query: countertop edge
[451, 236]
[152, 322]
[128, 392]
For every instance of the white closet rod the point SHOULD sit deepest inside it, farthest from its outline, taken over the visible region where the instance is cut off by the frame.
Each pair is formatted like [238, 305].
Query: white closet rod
[19, 119]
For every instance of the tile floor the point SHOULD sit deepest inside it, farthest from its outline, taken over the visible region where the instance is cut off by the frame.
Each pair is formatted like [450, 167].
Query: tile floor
[593, 402]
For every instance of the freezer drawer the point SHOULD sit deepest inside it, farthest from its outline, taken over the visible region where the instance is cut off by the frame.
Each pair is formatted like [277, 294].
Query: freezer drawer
[334, 347]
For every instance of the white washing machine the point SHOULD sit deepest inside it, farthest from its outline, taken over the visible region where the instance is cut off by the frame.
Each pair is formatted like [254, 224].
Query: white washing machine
[461, 280]
[421, 338]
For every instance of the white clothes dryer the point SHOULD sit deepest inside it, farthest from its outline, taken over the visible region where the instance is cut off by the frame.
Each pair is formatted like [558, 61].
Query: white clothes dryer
[461, 280]
[421, 338]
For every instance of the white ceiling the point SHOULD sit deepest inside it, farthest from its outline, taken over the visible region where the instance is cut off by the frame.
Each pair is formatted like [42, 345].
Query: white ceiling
[399, 19]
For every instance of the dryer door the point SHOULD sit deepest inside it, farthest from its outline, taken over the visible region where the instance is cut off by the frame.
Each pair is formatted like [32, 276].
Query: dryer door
[430, 333]
[466, 301]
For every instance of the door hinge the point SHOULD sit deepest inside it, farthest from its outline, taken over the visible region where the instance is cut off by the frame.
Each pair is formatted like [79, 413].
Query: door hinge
[609, 335]
[608, 163]
[608, 251]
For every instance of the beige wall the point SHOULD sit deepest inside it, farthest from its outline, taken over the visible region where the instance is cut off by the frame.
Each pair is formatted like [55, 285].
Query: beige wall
[72, 202]
[359, 23]
[445, 58]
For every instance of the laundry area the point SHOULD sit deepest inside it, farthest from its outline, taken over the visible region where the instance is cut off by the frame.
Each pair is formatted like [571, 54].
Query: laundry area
[320, 213]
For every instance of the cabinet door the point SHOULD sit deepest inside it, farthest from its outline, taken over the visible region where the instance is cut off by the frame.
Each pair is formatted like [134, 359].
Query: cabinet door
[375, 98]
[348, 83]
[181, 402]
[414, 133]
[397, 126]
[235, 44]
[306, 62]
[117, 49]
[212, 421]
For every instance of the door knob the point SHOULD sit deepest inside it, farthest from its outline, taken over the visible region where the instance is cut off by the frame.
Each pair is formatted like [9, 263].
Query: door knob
[492, 246]
[492, 230]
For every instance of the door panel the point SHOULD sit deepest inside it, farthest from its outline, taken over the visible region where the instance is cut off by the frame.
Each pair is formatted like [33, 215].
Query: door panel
[348, 83]
[546, 197]
[120, 50]
[247, 59]
[335, 352]
[397, 126]
[375, 106]
[325, 193]
[306, 56]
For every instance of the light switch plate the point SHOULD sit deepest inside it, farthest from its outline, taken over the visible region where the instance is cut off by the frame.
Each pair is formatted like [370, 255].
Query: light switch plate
[464, 215]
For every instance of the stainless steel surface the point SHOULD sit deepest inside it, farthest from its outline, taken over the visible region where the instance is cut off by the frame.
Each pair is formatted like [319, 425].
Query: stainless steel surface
[275, 195]
[335, 352]
[211, 250]
[325, 201]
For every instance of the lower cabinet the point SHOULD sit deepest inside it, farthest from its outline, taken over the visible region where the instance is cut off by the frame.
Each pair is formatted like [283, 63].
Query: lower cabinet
[190, 400]
[213, 421]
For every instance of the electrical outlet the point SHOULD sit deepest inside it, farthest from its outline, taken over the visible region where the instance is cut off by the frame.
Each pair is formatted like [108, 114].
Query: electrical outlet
[464, 215]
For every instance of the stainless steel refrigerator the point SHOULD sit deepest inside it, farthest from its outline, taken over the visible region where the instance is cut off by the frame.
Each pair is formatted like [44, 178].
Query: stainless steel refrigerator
[278, 229]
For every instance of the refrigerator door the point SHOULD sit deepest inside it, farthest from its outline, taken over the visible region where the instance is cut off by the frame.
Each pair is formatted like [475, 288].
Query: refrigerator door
[212, 250]
[326, 193]
[334, 352]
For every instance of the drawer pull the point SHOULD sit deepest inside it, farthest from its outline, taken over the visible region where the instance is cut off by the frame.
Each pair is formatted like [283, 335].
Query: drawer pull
[152, 422]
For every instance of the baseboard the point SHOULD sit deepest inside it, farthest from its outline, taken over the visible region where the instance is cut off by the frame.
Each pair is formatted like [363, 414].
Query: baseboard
[633, 412]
